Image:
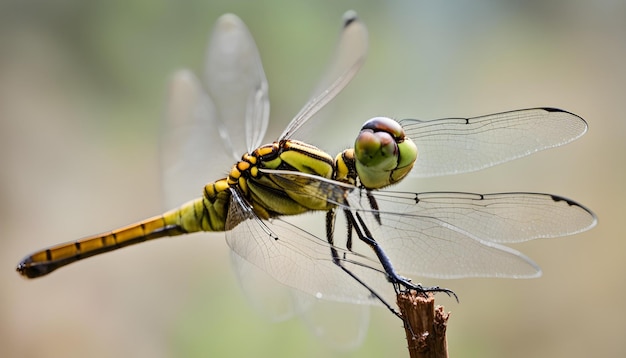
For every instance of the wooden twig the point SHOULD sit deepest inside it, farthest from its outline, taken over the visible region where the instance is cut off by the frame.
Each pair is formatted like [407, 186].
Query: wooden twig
[425, 325]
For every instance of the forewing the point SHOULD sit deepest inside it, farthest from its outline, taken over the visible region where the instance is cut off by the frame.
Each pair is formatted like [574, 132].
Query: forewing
[234, 78]
[349, 56]
[208, 125]
[459, 145]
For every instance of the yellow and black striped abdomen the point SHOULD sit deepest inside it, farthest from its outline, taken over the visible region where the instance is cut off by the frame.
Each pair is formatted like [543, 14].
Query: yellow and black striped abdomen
[204, 214]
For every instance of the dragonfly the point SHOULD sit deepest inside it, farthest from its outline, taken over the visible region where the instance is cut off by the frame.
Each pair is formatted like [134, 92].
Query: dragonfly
[386, 236]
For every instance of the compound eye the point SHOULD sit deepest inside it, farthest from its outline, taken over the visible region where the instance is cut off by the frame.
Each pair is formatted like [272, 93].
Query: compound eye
[384, 124]
[384, 155]
[375, 148]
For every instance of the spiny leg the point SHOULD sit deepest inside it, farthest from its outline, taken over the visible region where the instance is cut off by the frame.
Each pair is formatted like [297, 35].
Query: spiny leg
[400, 283]
[337, 260]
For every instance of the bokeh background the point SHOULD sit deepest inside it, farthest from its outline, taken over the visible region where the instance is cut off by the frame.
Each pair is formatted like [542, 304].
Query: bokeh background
[82, 88]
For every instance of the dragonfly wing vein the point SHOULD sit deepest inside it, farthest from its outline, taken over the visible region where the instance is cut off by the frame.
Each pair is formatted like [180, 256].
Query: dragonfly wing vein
[349, 56]
[459, 145]
[450, 235]
[499, 218]
[300, 259]
[235, 80]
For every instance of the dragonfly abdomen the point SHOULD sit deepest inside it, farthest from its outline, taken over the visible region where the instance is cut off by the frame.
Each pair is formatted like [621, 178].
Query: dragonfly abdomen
[196, 215]
[45, 261]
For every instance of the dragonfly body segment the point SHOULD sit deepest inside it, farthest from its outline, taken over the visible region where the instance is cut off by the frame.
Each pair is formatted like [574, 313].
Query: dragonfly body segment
[45, 261]
[267, 197]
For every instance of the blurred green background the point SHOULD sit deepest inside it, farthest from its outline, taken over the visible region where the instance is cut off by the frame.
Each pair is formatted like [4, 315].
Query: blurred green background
[82, 88]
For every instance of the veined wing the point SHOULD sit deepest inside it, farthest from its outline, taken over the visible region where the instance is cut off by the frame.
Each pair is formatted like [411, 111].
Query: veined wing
[349, 56]
[189, 136]
[461, 237]
[459, 145]
[452, 235]
[207, 125]
[340, 325]
[499, 218]
[299, 259]
[235, 79]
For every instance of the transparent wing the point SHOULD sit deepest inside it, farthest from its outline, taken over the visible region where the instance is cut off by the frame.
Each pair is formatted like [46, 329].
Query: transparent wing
[235, 80]
[188, 140]
[342, 326]
[301, 259]
[452, 235]
[203, 134]
[499, 218]
[461, 238]
[274, 301]
[349, 56]
[459, 145]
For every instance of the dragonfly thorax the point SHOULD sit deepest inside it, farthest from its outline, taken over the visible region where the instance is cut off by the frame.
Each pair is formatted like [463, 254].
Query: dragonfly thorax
[266, 192]
[289, 155]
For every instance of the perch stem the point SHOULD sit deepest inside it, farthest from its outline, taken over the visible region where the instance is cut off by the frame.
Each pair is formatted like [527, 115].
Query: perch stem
[424, 324]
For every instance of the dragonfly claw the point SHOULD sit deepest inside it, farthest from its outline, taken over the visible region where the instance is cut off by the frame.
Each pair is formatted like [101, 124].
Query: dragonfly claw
[436, 289]
[404, 284]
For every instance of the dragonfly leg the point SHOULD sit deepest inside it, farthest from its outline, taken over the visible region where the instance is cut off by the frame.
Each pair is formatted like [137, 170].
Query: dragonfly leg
[337, 260]
[399, 282]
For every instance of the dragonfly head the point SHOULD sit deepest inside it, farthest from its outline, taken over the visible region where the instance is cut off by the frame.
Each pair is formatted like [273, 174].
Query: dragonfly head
[384, 155]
